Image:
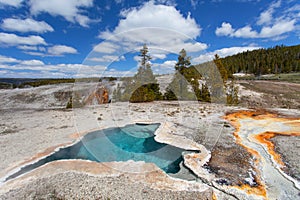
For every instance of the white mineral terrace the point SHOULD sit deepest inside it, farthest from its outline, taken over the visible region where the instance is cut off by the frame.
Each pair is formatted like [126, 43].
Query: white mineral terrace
[275, 184]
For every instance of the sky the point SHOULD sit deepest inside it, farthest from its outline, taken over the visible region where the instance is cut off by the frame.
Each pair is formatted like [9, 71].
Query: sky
[94, 38]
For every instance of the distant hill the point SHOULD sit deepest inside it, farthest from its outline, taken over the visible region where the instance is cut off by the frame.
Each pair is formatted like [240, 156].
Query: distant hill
[275, 60]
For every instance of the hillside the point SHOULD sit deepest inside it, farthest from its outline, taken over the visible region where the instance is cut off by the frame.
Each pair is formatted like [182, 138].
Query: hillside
[275, 60]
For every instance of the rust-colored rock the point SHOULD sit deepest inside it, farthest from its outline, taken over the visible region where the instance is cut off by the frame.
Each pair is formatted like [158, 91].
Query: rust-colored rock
[98, 96]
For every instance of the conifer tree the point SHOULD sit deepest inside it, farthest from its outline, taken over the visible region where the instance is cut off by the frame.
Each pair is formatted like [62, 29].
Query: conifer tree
[221, 68]
[145, 87]
[183, 62]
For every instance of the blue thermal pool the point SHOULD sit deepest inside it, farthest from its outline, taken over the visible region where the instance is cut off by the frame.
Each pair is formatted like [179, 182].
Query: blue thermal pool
[132, 142]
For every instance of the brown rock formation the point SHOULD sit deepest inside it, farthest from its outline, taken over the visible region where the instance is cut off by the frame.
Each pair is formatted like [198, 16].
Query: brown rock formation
[98, 96]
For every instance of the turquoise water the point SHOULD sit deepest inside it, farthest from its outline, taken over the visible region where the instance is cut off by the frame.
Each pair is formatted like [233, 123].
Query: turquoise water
[132, 142]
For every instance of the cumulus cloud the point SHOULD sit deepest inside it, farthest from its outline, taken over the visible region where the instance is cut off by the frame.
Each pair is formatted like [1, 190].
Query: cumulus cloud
[270, 26]
[159, 16]
[61, 50]
[14, 3]
[278, 28]
[26, 25]
[222, 53]
[165, 67]
[11, 39]
[225, 29]
[155, 56]
[5, 59]
[70, 10]
[56, 50]
[159, 26]
[32, 62]
[11, 67]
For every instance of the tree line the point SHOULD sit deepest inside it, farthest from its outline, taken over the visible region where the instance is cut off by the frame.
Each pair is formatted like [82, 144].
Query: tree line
[188, 82]
[275, 60]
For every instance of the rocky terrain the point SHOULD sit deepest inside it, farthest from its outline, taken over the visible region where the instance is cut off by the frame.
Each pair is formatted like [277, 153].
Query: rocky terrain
[34, 122]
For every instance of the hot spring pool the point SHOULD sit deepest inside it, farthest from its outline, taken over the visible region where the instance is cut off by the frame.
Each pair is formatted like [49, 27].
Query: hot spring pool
[132, 142]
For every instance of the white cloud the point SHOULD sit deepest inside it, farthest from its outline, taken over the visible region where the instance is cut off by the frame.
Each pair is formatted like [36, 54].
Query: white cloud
[107, 58]
[294, 8]
[14, 3]
[61, 49]
[56, 50]
[158, 16]
[246, 32]
[13, 40]
[71, 10]
[278, 28]
[36, 53]
[164, 68]
[11, 67]
[225, 29]
[222, 53]
[270, 26]
[5, 59]
[27, 48]
[166, 2]
[159, 26]
[266, 17]
[26, 25]
[155, 56]
[106, 47]
[10, 60]
[32, 62]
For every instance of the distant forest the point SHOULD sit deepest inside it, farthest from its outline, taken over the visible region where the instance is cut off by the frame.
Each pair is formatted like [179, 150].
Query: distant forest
[275, 60]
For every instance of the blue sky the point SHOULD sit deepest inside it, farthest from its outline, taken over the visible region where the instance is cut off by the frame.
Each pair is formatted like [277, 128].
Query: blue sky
[80, 38]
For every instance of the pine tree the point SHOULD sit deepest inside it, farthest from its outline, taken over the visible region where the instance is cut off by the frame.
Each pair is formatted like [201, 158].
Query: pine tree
[221, 68]
[145, 74]
[183, 62]
[178, 88]
[170, 95]
[144, 87]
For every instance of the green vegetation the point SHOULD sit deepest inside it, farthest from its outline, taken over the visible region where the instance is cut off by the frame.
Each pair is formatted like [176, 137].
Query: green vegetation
[41, 82]
[186, 76]
[230, 88]
[74, 101]
[107, 79]
[70, 103]
[6, 85]
[143, 86]
[276, 60]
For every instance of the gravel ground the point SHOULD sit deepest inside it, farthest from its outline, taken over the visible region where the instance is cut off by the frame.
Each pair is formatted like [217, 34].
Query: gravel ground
[283, 146]
[82, 186]
[269, 94]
